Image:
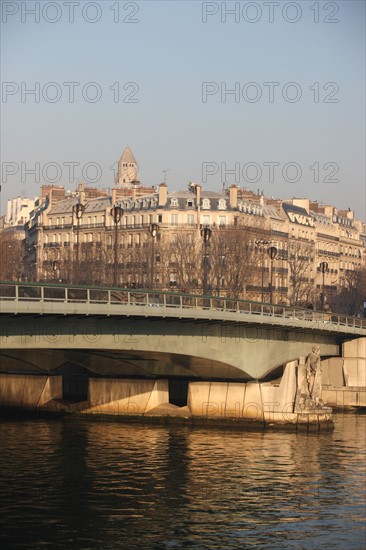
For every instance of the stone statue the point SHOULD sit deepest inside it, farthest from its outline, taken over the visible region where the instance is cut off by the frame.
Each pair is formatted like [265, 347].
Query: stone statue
[313, 375]
[310, 382]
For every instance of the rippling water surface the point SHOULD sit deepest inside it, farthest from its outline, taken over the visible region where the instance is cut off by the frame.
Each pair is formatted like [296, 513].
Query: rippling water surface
[73, 483]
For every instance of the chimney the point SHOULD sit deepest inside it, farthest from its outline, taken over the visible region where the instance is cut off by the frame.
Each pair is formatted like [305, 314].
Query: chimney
[81, 192]
[198, 189]
[233, 196]
[163, 194]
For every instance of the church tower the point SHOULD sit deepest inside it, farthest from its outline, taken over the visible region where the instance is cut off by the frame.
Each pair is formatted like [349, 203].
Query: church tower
[127, 169]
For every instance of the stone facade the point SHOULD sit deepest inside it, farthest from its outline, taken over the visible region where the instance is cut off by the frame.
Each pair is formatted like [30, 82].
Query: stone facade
[305, 235]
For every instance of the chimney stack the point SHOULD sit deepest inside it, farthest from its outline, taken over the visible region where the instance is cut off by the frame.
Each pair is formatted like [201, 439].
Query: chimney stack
[233, 197]
[163, 194]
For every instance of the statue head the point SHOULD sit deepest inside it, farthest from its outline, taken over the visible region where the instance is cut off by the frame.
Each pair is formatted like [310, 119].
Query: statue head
[316, 349]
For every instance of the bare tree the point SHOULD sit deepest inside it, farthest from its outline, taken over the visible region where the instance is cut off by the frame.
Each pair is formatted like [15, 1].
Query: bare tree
[12, 253]
[185, 259]
[299, 258]
[233, 261]
[352, 293]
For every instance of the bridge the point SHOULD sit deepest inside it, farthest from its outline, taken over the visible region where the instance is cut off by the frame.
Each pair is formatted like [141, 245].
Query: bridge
[131, 332]
[136, 334]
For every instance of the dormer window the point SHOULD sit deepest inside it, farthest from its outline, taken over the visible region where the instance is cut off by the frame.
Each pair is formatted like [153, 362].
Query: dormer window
[174, 202]
[222, 204]
[190, 203]
[206, 204]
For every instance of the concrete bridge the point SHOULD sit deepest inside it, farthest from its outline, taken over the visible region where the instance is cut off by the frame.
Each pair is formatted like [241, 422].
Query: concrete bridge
[128, 332]
[133, 334]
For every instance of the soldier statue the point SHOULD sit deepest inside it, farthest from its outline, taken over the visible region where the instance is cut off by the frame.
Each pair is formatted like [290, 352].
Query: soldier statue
[313, 376]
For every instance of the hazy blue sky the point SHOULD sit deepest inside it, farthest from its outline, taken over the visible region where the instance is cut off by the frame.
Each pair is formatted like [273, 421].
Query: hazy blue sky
[168, 53]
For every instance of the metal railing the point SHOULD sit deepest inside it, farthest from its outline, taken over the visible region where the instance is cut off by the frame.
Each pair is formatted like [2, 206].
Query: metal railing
[73, 294]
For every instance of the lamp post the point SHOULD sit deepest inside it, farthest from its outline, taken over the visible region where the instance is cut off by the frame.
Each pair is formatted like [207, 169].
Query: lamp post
[323, 268]
[260, 244]
[55, 270]
[272, 253]
[78, 210]
[206, 236]
[116, 213]
[153, 230]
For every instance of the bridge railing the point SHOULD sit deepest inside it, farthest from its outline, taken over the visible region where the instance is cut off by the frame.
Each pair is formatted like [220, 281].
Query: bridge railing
[43, 292]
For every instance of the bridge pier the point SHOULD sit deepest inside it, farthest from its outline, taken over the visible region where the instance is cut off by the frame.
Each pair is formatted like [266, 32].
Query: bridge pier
[258, 403]
[267, 403]
[125, 397]
[344, 378]
[29, 392]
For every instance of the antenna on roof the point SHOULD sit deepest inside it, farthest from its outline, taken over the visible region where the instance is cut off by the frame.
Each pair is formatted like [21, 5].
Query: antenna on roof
[164, 172]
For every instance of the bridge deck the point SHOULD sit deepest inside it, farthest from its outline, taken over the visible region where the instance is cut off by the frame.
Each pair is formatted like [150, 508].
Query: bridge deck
[43, 299]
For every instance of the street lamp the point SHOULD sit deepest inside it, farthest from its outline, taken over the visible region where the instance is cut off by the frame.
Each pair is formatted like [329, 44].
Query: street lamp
[78, 210]
[55, 270]
[260, 244]
[323, 268]
[272, 253]
[206, 236]
[116, 213]
[153, 230]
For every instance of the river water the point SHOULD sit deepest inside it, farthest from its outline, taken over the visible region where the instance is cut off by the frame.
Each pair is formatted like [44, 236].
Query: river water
[75, 483]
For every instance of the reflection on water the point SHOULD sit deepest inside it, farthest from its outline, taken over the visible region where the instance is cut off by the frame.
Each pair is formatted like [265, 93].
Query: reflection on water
[77, 484]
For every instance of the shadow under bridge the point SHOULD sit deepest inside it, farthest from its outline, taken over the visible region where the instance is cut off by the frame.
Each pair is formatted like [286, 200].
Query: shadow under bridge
[155, 347]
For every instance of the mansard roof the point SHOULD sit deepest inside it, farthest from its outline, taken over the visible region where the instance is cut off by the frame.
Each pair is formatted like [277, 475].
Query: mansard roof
[62, 207]
[97, 204]
[295, 209]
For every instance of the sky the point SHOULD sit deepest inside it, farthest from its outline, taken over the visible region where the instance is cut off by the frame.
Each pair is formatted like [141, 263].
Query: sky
[267, 95]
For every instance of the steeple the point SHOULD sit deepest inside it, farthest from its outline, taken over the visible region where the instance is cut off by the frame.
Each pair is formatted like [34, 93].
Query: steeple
[127, 168]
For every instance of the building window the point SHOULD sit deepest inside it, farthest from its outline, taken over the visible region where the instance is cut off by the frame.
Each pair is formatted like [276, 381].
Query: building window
[190, 203]
[190, 219]
[222, 204]
[160, 218]
[206, 204]
[222, 220]
[206, 220]
[174, 202]
[174, 219]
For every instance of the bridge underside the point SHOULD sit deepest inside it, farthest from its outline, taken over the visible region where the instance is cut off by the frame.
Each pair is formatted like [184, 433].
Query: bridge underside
[145, 347]
[117, 363]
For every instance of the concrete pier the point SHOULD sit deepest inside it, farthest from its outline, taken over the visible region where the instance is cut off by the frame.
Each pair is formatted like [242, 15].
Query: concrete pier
[271, 403]
[344, 378]
[266, 403]
[29, 392]
[125, 397]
